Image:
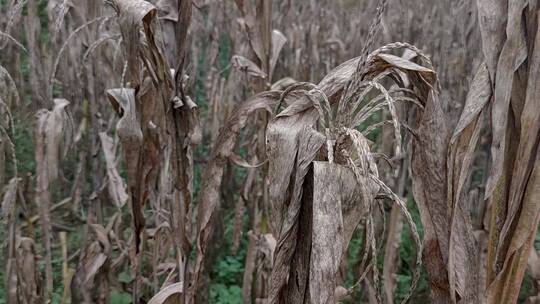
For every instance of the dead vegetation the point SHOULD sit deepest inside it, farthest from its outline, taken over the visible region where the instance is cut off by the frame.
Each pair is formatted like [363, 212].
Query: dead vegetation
[334, 151]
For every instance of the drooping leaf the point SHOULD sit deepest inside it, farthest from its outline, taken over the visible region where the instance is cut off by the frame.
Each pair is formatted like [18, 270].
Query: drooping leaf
[117, 189]
[170, 294]
[513, 54]
[245, 65]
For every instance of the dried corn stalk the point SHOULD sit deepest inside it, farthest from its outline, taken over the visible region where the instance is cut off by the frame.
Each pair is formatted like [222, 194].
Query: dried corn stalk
[158, 126]
[52, 127]
[213, 174]
[513, 183]
[29, 286]
[311, 169]
[9, 97]
[506, 88]
[9, 213]
[222, 150]
[90, 283]
[117, 189]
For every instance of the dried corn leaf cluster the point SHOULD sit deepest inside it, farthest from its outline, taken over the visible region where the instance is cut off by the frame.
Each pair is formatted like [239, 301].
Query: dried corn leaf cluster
[144, 144]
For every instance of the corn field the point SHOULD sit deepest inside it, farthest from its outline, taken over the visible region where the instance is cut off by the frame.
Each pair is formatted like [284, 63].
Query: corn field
[269, 152]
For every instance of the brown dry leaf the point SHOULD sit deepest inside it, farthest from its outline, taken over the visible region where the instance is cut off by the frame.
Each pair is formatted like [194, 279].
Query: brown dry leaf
[479, 95]
[429, 152]
[132, 15]
[429, 189]
[292, 145]
[492, 21]
[513, 54]
[168, 9]
[303, 216]
[141, 108]
[9, 212]
[116, 186]
[284, 135]
[512, 244]
[13, 16]
[282, 84]
[213, 174]
[130, 135]
[257, 21]
[506, 286]
[247, 66]
[170, 294]
[37, 75]
[175, 17]
[93, 268]
[529, 139]
[278, 41]
[50, 128]
[462, 248]
[380, 62]
[336, 213]
[55, 126]
[239, 161]
[8, 201]
[332, 84]
[9, 96]
[159, 125]
[28, 278]
[259, 262]
[404, 64]
[182, 27]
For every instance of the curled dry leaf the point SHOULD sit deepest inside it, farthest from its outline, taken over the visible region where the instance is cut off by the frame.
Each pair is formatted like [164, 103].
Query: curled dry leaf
[513, 176]
[9, 96]
[239, 161]
[247, 66]
[93, 268]
[293, 144]
[168, 9]
[257, 19]
[117, 189]
[309, 204]
[429, 150]
[513, 54]
[478, 97]
[51, 127]
[170, 294]
[159, 123]
[131, 136]
[282, 84]
[529, 139]
[278, 41]
[213, 174]
[462, 248]
[55, 126]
